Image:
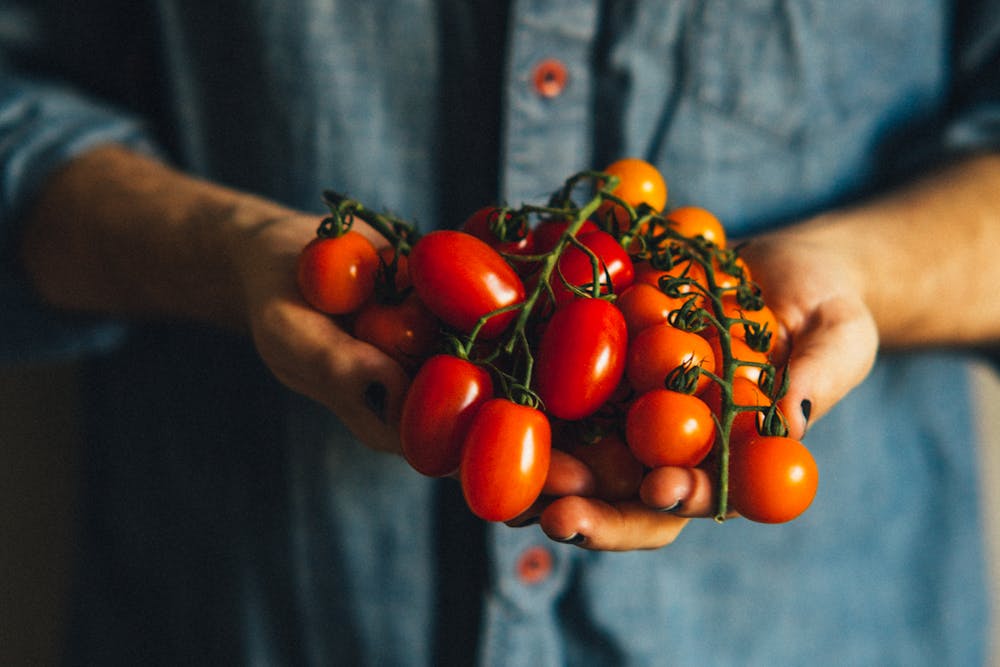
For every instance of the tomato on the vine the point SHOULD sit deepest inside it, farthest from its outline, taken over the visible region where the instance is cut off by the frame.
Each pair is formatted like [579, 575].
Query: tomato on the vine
[548, 232]
[406, 331]
[694, 221]
[518, 240]
[581, 358]
[772, 479]
[668, 428]
[461, 279]
[440, 404]
[640, 183]
[750, 363]
[615, 269]
[644, 306]
[762, 317]
[336, 274]
[505, 459]
[656, 351]
[746, 394]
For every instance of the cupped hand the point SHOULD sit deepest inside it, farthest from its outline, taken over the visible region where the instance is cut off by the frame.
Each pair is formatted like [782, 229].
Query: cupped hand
[309, 351]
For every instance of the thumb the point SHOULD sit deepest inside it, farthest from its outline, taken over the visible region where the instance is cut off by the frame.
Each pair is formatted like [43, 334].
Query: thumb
[829, 353]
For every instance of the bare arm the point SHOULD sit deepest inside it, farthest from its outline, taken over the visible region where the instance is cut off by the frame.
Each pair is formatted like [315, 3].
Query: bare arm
[116, 232]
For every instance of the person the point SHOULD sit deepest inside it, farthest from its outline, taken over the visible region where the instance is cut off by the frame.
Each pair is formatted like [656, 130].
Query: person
[162, 167]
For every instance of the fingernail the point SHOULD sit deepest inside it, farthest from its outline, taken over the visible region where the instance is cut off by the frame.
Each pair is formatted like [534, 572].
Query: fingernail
[375, 398]
[807, 408]
[672, 508]
[575, 538]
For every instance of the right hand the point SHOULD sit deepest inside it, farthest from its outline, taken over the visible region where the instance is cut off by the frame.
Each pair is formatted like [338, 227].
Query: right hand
[308, 351]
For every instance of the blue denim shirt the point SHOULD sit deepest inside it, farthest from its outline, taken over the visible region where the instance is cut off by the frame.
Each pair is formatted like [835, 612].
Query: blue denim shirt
[227, 521]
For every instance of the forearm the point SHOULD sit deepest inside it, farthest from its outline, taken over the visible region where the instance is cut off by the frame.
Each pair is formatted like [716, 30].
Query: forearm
[922, 257]
[116, 232]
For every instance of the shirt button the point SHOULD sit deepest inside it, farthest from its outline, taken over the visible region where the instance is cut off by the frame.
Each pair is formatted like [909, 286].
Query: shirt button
[550, 77]
[534, 565]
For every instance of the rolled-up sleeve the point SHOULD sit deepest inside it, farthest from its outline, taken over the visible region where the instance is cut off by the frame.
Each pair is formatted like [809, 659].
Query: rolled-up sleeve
[43, 125]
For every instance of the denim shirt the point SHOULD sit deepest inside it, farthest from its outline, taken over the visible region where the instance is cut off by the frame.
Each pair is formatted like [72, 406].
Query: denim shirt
[227, 521]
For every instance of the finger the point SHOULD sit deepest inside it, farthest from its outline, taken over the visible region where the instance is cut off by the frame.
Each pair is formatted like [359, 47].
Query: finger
[598, 525]
[309, 353]
[687, 492]
[829, 356]
[568, 476]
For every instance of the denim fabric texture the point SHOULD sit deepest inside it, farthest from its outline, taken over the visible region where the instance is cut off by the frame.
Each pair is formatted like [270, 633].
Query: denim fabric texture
[226, 521]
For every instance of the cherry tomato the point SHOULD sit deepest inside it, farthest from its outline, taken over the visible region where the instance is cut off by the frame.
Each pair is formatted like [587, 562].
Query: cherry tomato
[440, 403]
[641, 183]
[394, 271]
[689, 269]
[505, 459]
[461, 279]
[750, 362]
[576, 267]
[746, 394]
[762, 317]
[548, 232]
[406, 331]
[657, 350]
[668, 428]
[337, 274]
[772, 479]
[481, 224]
[581, 358]
[693, 221]
[644, 305]
[617, 472]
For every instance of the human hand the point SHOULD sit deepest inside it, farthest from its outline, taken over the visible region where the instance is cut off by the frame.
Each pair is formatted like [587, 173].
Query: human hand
[309, 351]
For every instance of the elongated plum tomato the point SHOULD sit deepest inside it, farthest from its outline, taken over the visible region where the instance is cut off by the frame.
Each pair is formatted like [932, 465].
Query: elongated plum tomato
[438, 410]
[658, 350]
[505, 459]
[461, 279]
[576, 267]
[581, 358]
[336, 274]
[406, 331]
[772, 479]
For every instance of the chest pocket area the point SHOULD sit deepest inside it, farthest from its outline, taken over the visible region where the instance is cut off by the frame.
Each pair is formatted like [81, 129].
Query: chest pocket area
[780, 75]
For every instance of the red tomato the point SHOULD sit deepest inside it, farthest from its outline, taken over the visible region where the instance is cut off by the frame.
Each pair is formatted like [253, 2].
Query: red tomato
[749, 362]
[505, 459]
[576, 267]
[481, 225]
[548, 233]
[657, 350]
[337, 274]
[581, 358]
[772, 479]
[668, 428]
[617, 472]
[762, 317]
[646, 273]
[692, 221]
[644, 306]
[641, 183]
[445, 395]
[461, 279]
[746, 394]
[406, 331]
[396, 266]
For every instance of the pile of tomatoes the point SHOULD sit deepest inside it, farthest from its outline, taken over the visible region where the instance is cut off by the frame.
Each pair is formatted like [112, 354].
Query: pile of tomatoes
[626, 335]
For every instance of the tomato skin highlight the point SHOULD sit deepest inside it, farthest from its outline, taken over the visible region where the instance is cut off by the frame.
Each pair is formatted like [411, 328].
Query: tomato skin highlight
[460, 278]
[668, 428]
[581, 358]
[772, 479]
[335, 275]
[440, 404]
[505, 459]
